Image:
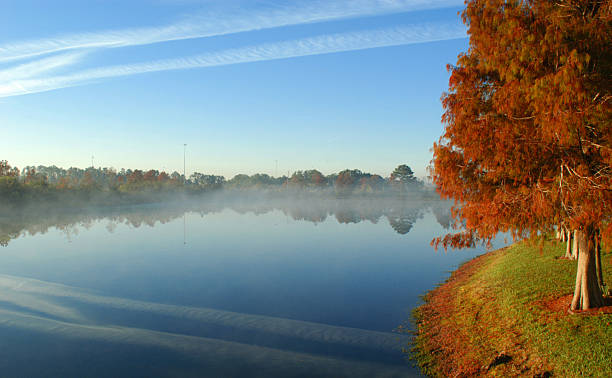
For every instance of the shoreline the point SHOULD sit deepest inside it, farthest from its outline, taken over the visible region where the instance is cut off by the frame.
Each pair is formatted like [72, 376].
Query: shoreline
[504, 313]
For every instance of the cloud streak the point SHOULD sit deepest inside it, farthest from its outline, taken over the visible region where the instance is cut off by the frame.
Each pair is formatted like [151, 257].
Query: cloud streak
[324, 44]
[40, 66]
[216, 24]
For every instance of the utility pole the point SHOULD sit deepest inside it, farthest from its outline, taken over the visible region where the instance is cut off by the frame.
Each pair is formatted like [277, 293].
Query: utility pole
[184, 171]
[92, 165]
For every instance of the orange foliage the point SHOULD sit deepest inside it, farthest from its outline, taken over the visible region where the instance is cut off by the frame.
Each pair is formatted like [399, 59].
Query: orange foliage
[528, 135]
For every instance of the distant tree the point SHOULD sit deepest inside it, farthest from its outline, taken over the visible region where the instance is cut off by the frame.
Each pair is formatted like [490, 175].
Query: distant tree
[150, 175]
[7, 170]
[402, 179]
[403, 174]
[331, 178]
[163, 177]
[348, 179]
[88, 182]
[136, 177]
[65, 183]
[240, 181]
[176, 177]
[307, 179]
[316, 178]
[33, 178]
[10, 187]
[260, 180]
[207, 182]
[297, 180]
[371, 184]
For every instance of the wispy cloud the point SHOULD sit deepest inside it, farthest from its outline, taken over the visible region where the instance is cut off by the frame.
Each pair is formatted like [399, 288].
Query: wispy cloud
[271, 51]
[215, 24]
[40, 66]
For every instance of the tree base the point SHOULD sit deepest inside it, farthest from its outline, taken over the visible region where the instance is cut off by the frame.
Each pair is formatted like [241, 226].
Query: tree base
[587, 293]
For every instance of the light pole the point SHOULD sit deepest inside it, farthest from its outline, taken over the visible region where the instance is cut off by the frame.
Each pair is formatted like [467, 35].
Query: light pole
[184, 171]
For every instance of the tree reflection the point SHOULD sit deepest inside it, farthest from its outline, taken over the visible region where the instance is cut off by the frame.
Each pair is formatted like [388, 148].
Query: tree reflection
[443, 215]
[402, 219]
[401, 215]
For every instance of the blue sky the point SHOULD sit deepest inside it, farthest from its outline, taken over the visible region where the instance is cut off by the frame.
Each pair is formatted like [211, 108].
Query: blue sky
[325, 84]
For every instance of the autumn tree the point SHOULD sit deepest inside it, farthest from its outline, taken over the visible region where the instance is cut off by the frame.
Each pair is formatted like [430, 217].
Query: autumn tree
[316, 178]
[6, 170]
[527, 143]
[347, 179]
[371, 184]
[10, 188]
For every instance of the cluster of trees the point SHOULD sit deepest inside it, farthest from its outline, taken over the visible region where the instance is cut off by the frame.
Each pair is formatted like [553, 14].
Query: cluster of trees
[256, 181]
[32, 181]
[125, 180]
[527, 145]
[348, 181]
[401, 180]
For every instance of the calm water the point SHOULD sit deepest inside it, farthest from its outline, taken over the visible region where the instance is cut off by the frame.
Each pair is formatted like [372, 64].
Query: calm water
[300, 288]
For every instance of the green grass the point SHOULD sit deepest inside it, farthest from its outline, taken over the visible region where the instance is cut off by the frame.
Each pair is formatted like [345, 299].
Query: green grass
[493, 306]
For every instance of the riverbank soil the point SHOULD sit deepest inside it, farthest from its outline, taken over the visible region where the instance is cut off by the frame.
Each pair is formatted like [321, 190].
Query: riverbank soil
[506, 313]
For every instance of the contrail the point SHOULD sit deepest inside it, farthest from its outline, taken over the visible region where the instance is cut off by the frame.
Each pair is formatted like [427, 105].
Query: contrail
[219, 23]
[37, 67]
[324, 44]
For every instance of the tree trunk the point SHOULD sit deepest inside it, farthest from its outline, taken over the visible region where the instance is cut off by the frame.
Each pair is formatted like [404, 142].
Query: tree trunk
[568, 250]
[576, 247]
[598, 259]
[587, 293]
[563, 238]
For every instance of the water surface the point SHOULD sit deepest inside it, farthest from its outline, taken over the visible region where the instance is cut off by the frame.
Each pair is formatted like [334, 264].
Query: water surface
[294, 288]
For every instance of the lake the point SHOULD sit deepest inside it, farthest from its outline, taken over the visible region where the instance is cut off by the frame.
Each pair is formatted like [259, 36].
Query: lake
[223, 288]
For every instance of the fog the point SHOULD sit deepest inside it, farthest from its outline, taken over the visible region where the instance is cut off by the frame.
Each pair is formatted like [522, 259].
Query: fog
[401, 212]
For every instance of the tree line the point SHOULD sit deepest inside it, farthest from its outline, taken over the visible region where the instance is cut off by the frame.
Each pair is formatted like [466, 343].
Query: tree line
[32, 182]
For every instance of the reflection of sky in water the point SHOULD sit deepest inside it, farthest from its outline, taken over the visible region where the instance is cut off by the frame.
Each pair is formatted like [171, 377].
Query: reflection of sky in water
[274, 293]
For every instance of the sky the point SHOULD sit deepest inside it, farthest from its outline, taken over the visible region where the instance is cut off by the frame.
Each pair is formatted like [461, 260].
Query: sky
[268, 86]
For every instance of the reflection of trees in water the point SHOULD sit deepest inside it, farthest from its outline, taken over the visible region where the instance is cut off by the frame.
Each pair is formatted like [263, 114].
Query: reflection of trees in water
[443, 215]
[315, 214]
[347, 216]
[403, 218]
[401, 215]
[69, 223]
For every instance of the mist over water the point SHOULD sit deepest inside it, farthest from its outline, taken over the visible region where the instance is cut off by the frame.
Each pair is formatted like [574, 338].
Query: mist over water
[227, 286]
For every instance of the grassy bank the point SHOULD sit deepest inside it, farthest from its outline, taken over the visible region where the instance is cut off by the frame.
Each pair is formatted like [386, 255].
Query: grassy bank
[505, 314]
